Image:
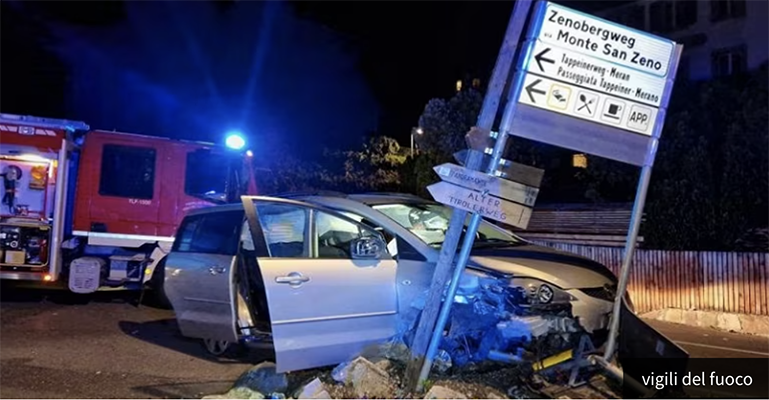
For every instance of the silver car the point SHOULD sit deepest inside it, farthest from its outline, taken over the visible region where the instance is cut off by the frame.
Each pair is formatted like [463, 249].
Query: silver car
[320, 277]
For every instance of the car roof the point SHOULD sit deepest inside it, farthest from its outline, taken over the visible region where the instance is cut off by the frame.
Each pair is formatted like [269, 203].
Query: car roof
[369, 198]
[326, 198]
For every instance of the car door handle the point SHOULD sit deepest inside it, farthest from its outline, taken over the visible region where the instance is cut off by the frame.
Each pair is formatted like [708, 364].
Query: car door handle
[216, 270]
[293, 278]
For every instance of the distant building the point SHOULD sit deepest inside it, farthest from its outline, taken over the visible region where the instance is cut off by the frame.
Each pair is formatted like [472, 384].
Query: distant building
[467, 83]
[720, 37]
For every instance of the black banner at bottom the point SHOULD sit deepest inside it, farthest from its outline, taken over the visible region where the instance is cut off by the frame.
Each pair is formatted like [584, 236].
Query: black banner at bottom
[697, 377]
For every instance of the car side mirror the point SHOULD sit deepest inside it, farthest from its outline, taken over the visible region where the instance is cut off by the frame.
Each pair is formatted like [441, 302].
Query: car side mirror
[367, 248]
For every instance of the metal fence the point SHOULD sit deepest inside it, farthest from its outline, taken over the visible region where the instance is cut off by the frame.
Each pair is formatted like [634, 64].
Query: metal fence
[697, 280]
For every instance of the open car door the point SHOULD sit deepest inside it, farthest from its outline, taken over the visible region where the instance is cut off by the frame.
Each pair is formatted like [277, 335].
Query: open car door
[328, 280]
[199, 275]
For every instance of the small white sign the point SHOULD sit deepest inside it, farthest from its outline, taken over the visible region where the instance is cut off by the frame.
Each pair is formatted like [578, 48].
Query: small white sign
[588, 104]
[596, 74]
[484, 204]
[493, 185]
[596, 37]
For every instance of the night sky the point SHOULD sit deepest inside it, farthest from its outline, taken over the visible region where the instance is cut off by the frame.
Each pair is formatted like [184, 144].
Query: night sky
[405, 52]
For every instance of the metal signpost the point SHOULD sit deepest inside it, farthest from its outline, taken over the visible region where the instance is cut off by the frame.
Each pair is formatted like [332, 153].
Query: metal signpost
[424, 346]
[585, 84]
[611, 80]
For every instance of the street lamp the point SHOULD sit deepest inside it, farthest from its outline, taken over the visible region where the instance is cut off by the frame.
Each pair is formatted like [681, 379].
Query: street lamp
[235, 140]
[418, 131]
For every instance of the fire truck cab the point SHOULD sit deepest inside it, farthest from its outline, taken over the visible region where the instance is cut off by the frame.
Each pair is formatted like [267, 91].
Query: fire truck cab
[99, 209]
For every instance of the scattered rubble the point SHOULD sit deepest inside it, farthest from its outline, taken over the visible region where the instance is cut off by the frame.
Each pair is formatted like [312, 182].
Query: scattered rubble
[263, 378]
[495, 333]
[368, 380]
[381, 377]
[442, 392]
[313, 390]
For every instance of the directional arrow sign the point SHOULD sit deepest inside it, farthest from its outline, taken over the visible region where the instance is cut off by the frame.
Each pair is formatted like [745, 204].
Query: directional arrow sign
[481, 182]
[515, 172]
[533, 87]
[578, 69]
[539, 57]
[587, 104]
[486, 205]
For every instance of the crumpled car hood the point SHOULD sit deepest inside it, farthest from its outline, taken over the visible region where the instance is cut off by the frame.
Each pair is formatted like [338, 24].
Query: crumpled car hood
[566, 270]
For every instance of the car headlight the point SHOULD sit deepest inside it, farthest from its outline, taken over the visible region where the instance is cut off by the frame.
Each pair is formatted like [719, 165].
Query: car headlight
[540, 293]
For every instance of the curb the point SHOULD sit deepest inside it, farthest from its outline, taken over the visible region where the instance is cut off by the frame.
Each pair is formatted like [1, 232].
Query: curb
[730, 322]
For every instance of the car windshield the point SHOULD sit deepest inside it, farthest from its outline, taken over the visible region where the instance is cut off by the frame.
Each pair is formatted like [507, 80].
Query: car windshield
[430, 222]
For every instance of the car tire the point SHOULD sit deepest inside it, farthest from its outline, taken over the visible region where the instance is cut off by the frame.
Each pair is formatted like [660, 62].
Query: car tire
[223, 349]
[159, 298]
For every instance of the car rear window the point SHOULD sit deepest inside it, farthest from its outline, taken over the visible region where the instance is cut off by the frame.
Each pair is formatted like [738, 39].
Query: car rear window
[214, 233]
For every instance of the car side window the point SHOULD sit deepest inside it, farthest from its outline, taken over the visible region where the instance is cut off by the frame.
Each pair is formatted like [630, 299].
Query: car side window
[334, 235]
[246, 239]
[213, 233]
[285, 229]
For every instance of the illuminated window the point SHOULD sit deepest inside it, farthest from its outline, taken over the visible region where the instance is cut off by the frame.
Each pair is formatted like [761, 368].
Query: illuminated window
[459, 85]
[476, 83]
[729, 61]
[579, 161]
[725, 9]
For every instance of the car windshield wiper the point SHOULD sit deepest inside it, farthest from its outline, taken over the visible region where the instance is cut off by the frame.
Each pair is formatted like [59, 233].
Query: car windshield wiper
[495, 242]
[490, 242]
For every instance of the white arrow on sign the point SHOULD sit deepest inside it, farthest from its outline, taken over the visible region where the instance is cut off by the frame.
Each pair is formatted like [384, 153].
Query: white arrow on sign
[481, 182]
[486, 205]
[587, 104]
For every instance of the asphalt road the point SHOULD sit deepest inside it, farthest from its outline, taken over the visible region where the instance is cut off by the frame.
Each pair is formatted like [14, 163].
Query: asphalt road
[708, 343]
[110, 348]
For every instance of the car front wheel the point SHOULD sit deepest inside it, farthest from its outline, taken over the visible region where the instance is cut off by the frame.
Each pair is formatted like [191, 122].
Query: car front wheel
[216, 347]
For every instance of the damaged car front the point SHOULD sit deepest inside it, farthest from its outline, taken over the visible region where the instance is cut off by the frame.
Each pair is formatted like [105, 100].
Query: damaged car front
[516, 301]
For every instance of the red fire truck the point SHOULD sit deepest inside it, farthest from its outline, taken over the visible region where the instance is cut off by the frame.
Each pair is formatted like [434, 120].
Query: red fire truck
[99, 209]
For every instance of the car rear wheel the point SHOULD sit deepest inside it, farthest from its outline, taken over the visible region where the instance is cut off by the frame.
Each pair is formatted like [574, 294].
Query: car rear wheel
[216, 347]
[224, 348]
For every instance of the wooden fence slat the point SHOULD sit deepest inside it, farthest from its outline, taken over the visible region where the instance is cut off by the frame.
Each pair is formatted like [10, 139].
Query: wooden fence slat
[703, 289]
[643, 284]
[728, 307]
[765, 288]
[753, 288]
[720, 304]
[681, 290]
[662, 271]
[741, 261]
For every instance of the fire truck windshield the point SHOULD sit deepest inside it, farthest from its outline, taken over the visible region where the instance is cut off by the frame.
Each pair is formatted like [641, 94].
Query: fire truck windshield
[206, 175]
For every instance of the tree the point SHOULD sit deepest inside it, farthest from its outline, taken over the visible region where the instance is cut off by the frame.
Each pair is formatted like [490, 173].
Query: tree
[375, 167]
[709, 186]
[445, 122]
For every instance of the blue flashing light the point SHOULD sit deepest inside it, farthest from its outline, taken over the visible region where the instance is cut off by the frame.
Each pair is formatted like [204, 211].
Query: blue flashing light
[235, 140]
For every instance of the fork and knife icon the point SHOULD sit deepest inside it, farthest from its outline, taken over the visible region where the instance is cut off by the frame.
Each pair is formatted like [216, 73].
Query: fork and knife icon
[585, 103]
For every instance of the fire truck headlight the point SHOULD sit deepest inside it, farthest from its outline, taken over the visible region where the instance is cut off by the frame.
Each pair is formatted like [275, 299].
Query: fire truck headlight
[235, 140]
